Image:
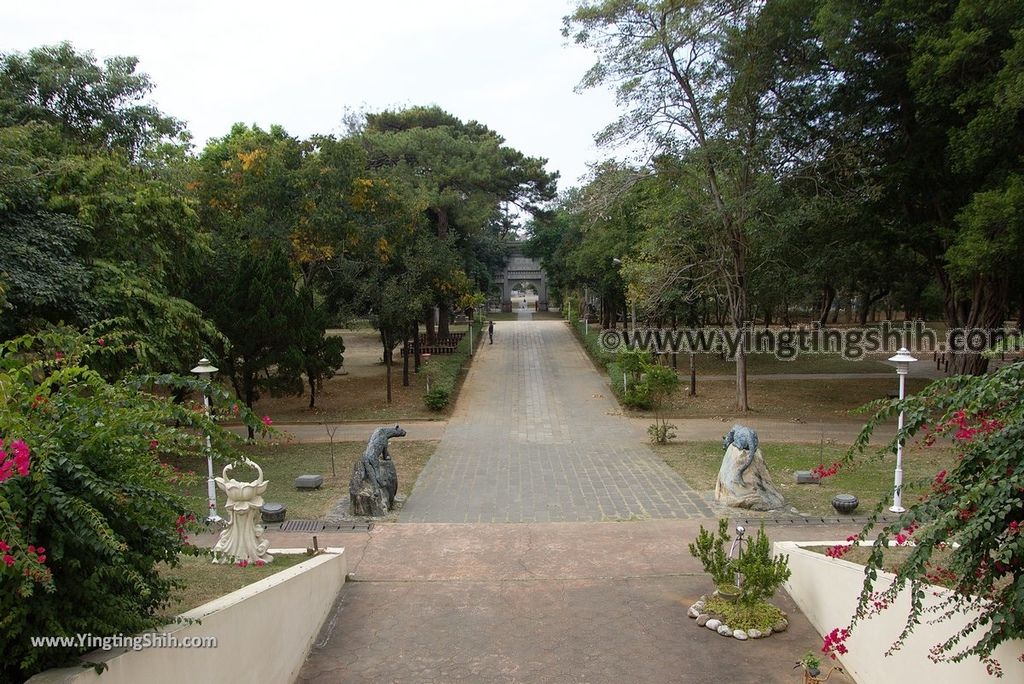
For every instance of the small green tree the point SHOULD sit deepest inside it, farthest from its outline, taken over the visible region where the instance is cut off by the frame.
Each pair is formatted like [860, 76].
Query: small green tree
[762, 573]
[661, 382]
[709, 549]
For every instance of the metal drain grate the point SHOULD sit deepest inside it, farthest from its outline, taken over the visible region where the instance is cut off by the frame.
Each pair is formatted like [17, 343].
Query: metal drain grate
[846, 520]
[324, 526]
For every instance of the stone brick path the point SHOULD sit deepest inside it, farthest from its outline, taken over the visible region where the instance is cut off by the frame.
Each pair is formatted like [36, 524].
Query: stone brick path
[536, 438]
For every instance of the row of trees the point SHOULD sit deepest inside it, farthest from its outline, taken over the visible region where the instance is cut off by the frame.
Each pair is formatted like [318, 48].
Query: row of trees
[250, 248]
[802, 153]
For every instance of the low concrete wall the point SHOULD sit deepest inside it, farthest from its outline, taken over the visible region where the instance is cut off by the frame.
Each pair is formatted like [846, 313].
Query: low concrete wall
[826, 590]
[264, 632]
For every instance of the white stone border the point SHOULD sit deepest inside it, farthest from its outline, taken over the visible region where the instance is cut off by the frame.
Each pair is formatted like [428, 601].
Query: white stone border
[264, 632]
[826, 590]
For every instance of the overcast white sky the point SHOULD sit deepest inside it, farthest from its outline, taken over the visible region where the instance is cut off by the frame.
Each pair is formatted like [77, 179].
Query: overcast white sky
[302, 63]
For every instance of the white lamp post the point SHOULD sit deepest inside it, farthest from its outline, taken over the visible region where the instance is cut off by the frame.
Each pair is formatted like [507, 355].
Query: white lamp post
[205, 370]
[903, 359]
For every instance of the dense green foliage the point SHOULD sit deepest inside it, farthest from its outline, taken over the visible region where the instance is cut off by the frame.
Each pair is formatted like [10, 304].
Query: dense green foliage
[85, 522]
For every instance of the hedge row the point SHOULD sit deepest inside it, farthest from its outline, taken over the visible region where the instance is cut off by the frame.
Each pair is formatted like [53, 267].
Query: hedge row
[445, 371]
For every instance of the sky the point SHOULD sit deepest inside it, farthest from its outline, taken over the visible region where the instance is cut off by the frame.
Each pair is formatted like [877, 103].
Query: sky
[302, 64]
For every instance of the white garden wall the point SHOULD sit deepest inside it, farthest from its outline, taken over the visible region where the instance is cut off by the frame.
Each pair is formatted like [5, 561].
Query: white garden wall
[264, 632]
[826, 590]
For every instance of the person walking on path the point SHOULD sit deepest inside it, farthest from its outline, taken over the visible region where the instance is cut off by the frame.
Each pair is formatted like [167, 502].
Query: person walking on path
[490, 330]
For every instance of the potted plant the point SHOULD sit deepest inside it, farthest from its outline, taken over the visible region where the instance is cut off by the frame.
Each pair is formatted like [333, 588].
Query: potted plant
[811, 664]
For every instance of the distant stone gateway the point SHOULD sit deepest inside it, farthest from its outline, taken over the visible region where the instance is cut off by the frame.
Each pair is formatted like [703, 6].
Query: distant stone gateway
[374, 482]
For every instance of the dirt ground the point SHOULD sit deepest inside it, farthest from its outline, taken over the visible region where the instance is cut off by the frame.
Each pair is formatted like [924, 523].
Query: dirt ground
[358, 391]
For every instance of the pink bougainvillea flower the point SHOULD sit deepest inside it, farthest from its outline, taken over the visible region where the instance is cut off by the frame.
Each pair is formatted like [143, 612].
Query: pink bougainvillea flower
[153, 444]
[9, 559]
[266, 421]
[260, 563]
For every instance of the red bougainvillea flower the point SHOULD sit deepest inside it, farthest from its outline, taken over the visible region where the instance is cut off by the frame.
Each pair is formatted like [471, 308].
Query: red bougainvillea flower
[102, 342]
[260, 563]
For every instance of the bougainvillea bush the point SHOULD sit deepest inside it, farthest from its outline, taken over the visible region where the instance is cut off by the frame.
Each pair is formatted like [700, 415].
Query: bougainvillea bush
[975, 509]
[87, 510]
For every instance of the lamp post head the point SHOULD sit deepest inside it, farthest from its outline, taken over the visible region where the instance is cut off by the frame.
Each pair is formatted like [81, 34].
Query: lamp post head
[903, 359]
[204, 367]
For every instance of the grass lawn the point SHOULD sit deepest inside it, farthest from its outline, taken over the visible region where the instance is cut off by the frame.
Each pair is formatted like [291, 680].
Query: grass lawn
[801, 400]
[204, 580]
[869, 479]
[283, 463]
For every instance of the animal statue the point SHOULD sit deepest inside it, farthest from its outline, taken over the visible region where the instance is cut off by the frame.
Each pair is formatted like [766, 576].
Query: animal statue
[745, 439]
[374, 481]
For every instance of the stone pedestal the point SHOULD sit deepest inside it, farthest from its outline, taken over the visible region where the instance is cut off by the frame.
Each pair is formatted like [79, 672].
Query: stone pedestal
[755, 491]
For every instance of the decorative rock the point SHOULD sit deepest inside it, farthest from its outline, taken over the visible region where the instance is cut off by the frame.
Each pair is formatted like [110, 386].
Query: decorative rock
[753, 634]
[273, 512]
[744, 481]
[699, 605]
[693, 612]
[845, 503]
[767, 633]
[781, 626]
[309, 481]
[739, 634]
[713, 624]
[725, 630]
[806, 477]
[702, 619]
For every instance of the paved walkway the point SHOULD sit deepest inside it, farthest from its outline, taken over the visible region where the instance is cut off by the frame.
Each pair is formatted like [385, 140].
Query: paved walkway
[543, 602]
[535, 437]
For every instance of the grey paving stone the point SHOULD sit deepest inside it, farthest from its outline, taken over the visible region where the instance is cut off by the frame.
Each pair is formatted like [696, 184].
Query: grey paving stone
[535, 425]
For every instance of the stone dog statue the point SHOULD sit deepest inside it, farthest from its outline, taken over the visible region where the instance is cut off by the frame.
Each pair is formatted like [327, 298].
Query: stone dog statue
[374, 482]
[745, 439]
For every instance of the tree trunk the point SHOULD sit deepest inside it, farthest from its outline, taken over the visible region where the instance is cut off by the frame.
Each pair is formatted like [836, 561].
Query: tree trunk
[312, 388]
[416, 344]
[693, 374]
[828, 296]
[387, 361]
[406, 352]
[987, 311]
[431, 334]
[443, 320]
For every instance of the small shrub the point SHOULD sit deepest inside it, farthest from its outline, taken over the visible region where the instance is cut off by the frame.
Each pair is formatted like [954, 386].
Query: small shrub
[437, 398]
[661, 433]
[709, 549]
[762, 574]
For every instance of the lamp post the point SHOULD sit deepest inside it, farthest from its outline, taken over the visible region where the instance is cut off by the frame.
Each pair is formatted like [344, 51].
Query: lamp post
[205, 371]
[903, 359]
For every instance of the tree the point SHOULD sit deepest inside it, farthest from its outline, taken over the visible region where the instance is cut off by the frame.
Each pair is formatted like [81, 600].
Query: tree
[251, 297]
[87, 509]
[458, 177]
[93, 105]
[926, 101]
[689, 75]
[975, 511]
